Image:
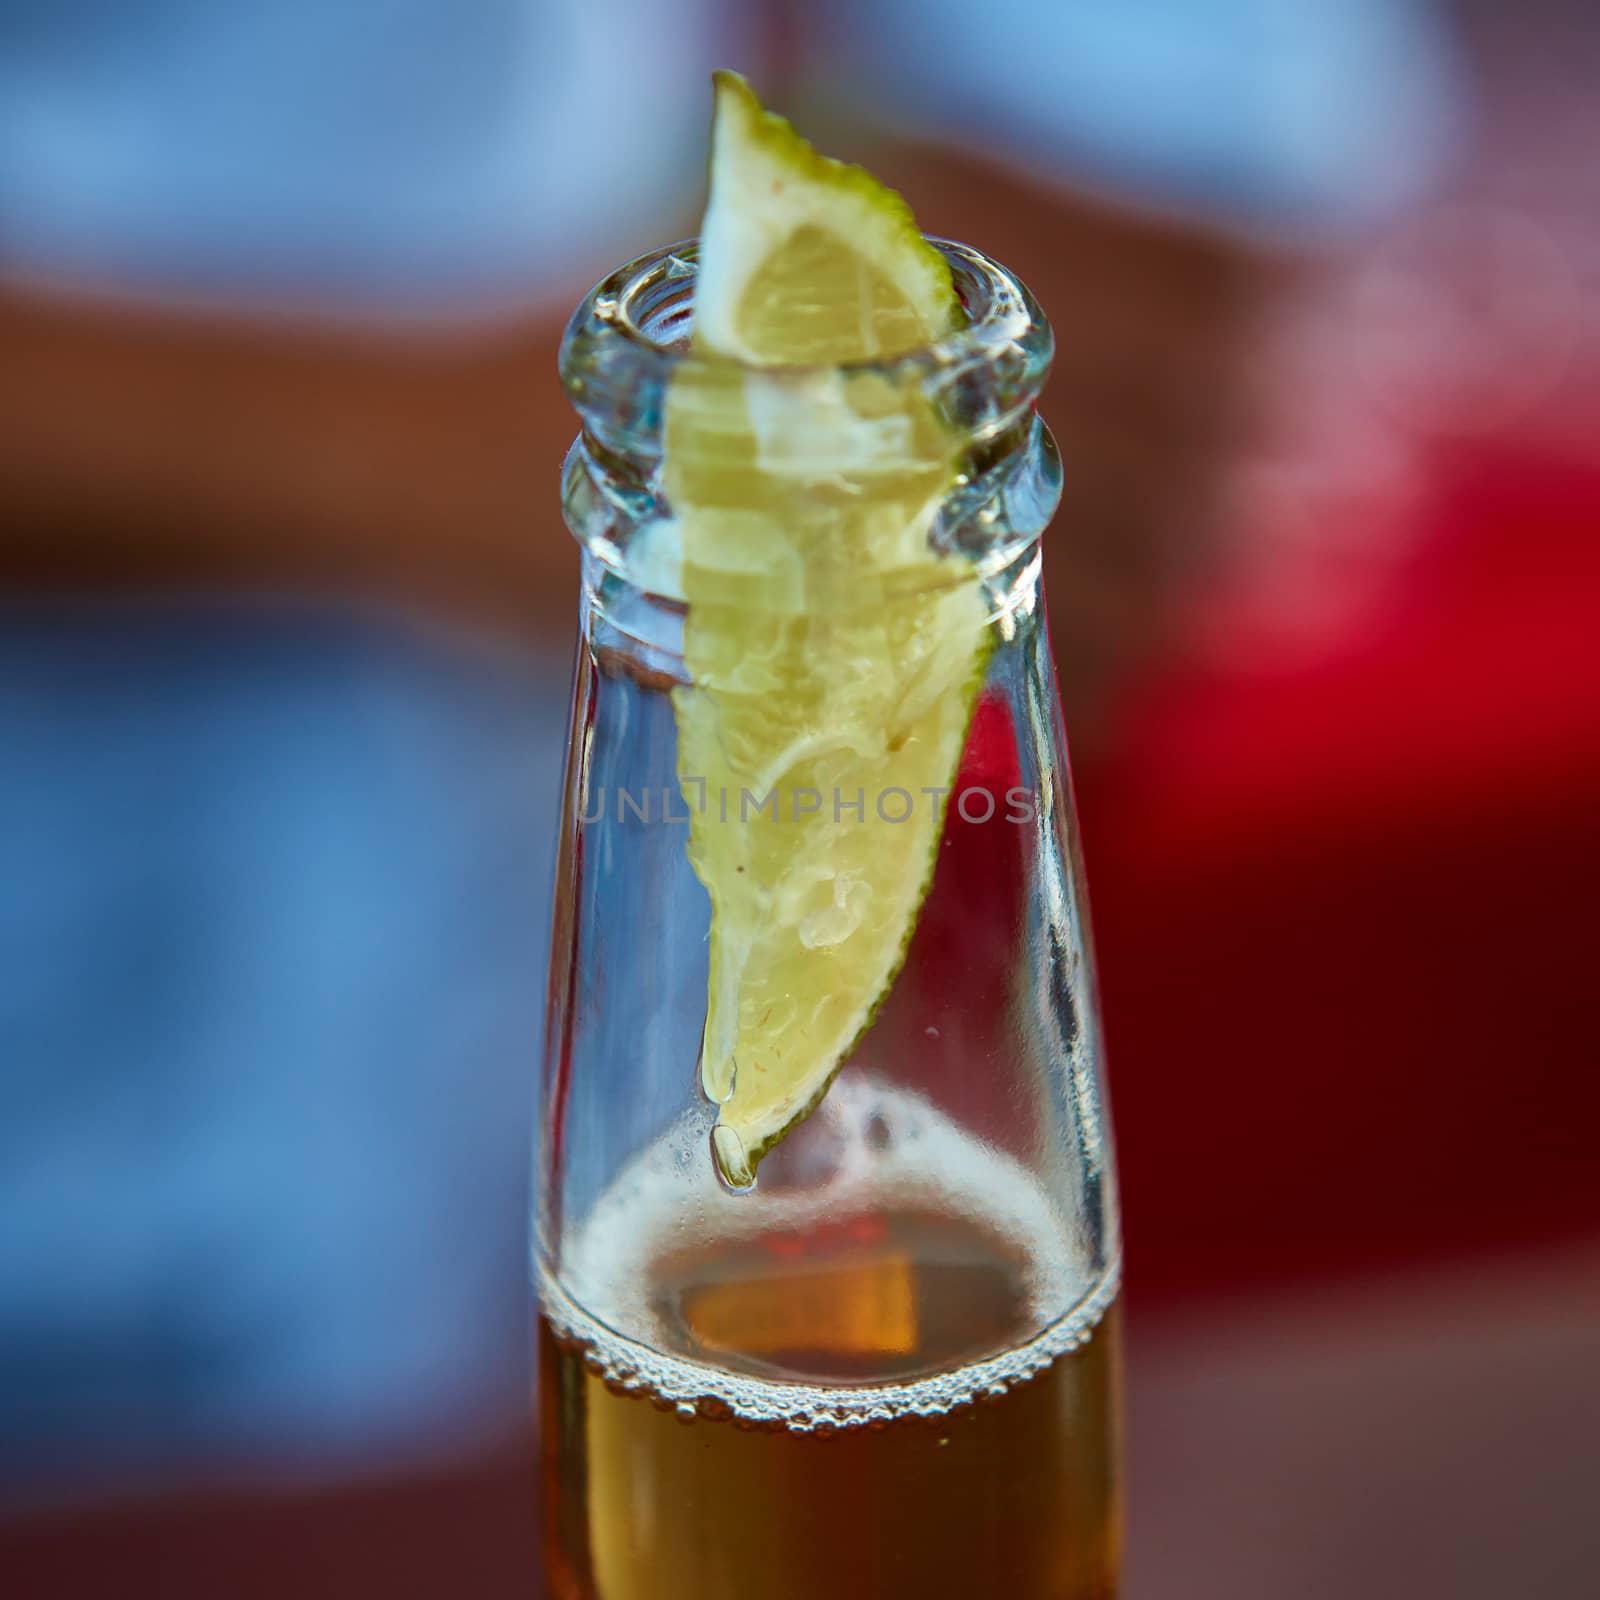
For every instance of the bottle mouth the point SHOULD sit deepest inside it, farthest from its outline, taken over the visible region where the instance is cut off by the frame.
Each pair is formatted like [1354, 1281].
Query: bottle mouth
[630, 336]
[628, 345]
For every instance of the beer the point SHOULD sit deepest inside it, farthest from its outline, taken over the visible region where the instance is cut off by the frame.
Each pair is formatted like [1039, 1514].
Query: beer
[852, 1402]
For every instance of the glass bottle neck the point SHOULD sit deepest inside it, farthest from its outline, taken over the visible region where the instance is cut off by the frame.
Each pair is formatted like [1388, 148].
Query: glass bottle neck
[946, 437]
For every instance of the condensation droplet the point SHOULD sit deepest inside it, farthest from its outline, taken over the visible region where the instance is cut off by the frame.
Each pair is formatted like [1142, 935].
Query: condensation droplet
[720, 1079]
[732, 1160]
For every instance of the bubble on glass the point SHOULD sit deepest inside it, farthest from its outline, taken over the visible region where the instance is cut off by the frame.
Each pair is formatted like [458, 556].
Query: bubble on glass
[601, 1305]
[695, 1392]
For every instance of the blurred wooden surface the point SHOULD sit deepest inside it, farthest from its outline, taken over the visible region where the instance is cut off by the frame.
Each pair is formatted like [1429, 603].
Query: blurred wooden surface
[147, 447]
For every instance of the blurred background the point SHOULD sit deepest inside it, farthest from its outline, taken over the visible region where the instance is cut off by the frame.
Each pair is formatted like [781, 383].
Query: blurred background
[285, 613]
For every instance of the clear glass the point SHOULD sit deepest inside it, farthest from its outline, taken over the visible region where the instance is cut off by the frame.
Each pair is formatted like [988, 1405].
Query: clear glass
[892, 1367]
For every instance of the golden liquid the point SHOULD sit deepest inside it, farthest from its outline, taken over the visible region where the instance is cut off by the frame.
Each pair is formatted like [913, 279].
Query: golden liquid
[1011, 1494]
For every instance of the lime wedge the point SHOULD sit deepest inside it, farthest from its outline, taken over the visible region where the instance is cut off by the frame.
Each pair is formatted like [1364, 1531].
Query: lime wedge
[804, 260]
[835, 656]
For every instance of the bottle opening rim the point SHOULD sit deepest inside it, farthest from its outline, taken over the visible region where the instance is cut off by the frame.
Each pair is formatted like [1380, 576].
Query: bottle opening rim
[641, 317]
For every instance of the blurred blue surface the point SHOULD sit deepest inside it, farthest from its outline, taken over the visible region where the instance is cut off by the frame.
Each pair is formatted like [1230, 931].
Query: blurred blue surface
[414, 155]
[1280, 116]
[272, 946]
[427, 154]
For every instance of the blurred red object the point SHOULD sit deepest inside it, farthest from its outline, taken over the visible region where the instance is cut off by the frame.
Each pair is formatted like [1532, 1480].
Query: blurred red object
[1345, 914]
